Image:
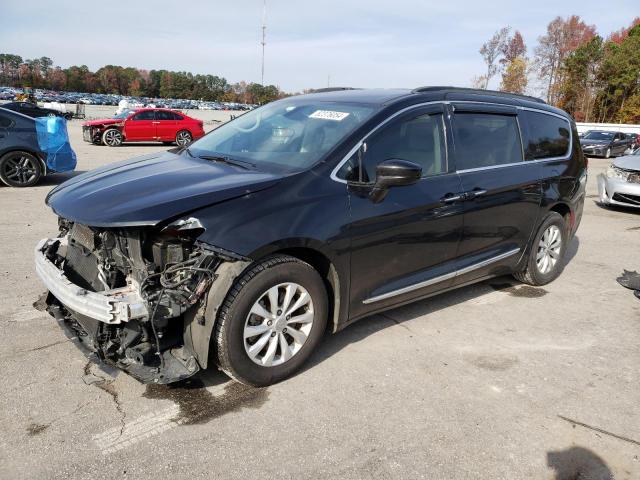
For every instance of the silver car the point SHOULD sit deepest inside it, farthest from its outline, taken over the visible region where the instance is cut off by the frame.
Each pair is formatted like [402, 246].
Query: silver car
[620, 184]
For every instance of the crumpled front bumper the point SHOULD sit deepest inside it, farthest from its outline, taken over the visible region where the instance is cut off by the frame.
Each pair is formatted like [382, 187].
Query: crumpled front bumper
[110, 306]
[614, 191]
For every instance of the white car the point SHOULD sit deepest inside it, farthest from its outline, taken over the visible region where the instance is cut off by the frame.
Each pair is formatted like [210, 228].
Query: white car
[620, 184]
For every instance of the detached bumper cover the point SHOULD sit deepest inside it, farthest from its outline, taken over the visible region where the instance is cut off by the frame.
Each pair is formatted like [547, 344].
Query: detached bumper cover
[613, 191]
[110, 306]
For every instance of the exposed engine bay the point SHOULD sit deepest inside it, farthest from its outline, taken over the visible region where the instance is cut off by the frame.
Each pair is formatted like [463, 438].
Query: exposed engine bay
[127, 294]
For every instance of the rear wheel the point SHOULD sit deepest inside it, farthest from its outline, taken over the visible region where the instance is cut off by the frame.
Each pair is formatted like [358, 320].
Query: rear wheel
[271, 321]
[112, 137]
[20, 169]
[183, 138]
[546, 253]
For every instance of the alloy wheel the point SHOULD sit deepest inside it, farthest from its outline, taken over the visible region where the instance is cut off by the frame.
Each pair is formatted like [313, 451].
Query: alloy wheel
[183, 138]
[113, 138]
[278, 324]
[549, 248]
[20, 169]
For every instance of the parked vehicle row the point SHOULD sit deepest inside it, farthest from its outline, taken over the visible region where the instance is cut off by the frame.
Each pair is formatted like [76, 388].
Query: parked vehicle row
[143, 125]
[308, 214]
[32, 110]
[10, 93]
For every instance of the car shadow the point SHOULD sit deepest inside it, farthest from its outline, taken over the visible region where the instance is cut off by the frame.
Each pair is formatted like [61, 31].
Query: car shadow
[52, 179]
[360, 330]
[576, 463]
[58, 178]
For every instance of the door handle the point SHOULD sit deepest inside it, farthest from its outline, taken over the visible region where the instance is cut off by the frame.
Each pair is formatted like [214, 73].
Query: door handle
[155, 123]
[476, 192]
[450, 198]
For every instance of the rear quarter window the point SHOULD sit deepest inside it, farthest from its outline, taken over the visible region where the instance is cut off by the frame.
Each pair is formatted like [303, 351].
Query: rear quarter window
[547, 136]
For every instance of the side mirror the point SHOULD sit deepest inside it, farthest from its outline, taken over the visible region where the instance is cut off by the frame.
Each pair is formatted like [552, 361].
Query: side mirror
[394, 172]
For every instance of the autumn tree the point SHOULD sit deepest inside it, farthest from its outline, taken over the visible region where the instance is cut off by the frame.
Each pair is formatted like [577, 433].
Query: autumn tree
[619, 74]
[491, 51]
[619, 35]
[563, 36]
[514, 64]
[579, 73]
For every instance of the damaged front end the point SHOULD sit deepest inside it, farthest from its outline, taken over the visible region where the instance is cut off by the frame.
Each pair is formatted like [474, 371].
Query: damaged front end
[132, 294]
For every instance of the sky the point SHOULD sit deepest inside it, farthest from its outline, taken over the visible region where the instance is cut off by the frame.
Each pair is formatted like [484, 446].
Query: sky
[399, 43]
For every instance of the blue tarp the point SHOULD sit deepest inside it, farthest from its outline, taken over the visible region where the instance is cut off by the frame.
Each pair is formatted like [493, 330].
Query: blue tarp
[54, 141]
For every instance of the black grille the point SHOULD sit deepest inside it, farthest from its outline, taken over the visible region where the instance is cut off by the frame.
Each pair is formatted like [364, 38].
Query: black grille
[626, 198]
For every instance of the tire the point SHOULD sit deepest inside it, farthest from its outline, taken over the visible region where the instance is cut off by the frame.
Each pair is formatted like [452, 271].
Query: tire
[183, 138]
[608, 153]
[536, 273]
[20, 169]
[112, 137]
[252, 288]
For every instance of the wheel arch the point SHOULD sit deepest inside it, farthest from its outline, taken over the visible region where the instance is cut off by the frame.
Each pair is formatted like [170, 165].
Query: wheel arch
[198, 333]
[565, 211]
[30, 151]
[327, 270]
[324, 262]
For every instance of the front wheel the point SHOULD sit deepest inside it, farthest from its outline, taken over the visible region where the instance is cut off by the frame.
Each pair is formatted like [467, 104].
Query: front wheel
[20, 169]
[271, 321]
[183, 138]
[546, 253]
[607, 154]
[112, 137]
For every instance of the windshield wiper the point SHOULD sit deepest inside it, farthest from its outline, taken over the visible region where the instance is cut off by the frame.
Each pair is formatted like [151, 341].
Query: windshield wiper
[229, 161]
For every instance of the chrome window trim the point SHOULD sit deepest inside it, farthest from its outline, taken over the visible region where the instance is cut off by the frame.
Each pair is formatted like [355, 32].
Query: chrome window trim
[441, 278]
[570, 151]
[335, 171]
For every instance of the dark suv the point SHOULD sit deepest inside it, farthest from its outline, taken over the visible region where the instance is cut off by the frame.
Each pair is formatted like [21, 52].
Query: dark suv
[306, 214]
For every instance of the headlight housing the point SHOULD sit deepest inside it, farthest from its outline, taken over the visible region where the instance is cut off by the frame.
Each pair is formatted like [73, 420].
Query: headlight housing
[615, 172]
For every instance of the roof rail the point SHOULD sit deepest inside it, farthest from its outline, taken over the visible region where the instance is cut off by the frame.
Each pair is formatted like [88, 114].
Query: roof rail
[333, 89]
[477, 91]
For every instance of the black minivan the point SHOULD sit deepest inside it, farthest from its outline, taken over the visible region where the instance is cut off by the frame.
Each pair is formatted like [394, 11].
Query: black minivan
[304, 215]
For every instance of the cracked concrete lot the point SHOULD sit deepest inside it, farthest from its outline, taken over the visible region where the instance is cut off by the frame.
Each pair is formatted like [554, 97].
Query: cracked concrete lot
[492, 381]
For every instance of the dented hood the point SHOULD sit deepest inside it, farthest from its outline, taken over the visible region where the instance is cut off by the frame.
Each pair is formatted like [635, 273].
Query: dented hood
[147, 190]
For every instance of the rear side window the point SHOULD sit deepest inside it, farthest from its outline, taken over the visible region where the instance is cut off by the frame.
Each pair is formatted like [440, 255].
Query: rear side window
[146, 115]
[547, 136]
[163, 115]
[486, 140]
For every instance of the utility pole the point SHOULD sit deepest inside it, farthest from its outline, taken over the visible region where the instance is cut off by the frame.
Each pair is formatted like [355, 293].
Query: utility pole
[264, 32]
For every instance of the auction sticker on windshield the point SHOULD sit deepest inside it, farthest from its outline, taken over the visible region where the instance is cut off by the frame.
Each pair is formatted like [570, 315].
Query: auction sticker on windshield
[329, 115]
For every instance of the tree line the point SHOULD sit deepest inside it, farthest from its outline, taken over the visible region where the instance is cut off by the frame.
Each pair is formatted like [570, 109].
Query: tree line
[114, 79]
[595, 79]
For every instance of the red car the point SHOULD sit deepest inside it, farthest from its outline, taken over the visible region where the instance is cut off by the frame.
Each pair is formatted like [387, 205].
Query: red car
[143, 125]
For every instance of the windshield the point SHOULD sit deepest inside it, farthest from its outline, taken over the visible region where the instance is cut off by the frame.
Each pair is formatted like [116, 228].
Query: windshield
[607, 136]
[124, 114]
[285, 136]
